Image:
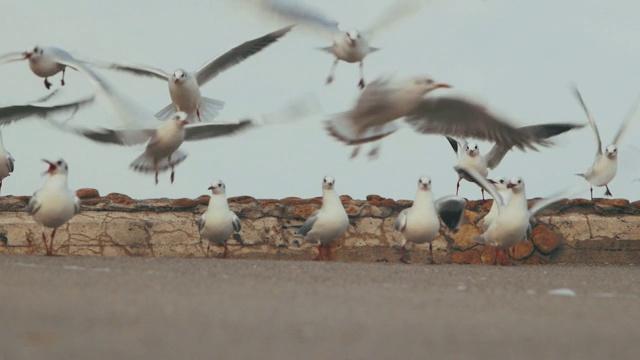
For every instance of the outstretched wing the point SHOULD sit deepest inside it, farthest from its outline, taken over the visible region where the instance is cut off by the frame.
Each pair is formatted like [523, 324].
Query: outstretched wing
[138, 70]
[626, 122]
[568, 192]
[592, 121]
[12, 56]
[481, 181]
[398, 11]
[292, 12]
[451, 210]
[10, 114]
[200, 131]
[236, 55]
[109, 136]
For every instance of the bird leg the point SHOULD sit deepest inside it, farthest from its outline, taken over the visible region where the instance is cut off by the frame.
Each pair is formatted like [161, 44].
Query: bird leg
[198, 113]
[458, 187]
[208, 247]
[226, 250]
[482, 190]
[47, 84]
[373, 153]
[608, 192]
[355, 152]
[361, 83]
[173, 172]
[53, 234]
[404, 257]
[44, 240]
[591, 191]
[430, 258]
[155, 167]
[62, 81]
[332, 72]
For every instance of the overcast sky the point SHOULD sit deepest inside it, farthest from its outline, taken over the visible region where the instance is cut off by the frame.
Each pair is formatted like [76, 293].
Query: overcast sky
[519, 56]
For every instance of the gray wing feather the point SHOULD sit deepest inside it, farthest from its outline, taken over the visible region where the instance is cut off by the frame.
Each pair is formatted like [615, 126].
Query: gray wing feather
[451, 210]
[592, 121]
[308, 224]
[14, 113]
[139, 70]
[10, 162]
[301, 15]
[210, 130]
[482, 182]
[237, 225]
[12, 56]
[109, 136]
[201, 221]
[570, 191]
[626, 122]
[77, 205]
[401, 220]
[237, 55]
[465, 119]
[535, 133]
[34, 204]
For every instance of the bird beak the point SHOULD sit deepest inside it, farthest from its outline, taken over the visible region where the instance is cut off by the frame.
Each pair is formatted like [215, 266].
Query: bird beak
[511, 186]
[52, 167]
[27, 55]
[443, 86]
[492, 181]
[352, 42]
[176, 80]
[210, 188]
[184, 122]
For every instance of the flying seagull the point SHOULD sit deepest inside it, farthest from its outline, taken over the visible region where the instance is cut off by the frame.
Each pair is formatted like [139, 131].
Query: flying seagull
[42, 61]
[184, 86]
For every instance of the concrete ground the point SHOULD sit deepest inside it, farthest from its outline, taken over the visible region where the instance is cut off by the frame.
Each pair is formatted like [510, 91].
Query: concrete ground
[145, 308]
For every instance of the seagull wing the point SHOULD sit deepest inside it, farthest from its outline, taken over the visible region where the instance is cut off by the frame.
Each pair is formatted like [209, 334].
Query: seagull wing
[592, 121]
[236, 55]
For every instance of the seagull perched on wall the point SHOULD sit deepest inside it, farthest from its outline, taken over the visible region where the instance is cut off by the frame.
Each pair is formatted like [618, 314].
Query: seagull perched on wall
[54, 204]
[6, 162]
[383, 102]
[43, 61]
[605, 165]
[327, 223]
[421, 222]
[511, 224]
[184, 86]
[218, 223]
[469, 153]
[350, 46]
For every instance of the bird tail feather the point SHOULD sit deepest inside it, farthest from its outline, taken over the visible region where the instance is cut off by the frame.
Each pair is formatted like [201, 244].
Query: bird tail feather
[342, 129]
[144, 162]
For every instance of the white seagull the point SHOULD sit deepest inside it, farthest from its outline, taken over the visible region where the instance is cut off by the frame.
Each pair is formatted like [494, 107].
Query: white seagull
[218, 223]
[38, 108]
[54, 204]
[421, 222]
[184, 86]
[605, 165]
[383, 102]
[511, 224]
[469, 154]
[327, 223]
[6, 162]
[42, 61]
[350, 46]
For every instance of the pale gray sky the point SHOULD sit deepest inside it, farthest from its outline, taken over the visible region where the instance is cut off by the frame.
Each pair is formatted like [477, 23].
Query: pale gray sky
[519, 56]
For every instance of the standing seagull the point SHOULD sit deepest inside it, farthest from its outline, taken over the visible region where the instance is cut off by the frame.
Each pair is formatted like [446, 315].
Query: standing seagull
[469, 153]
[6, 166]
[54, 204]
[218, 223]
[184, 86]
[605, 165]
[42, 61]
[350, 46]
[511, 224]
[327, 223]
[420, 222]
[383, 102]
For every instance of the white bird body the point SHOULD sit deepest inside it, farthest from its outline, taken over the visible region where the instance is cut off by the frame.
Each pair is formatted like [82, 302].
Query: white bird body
[44, 65]
[327, 223]
[218, 223]
[185, 94]
[58, 203]
[422, 223]
[344, 49]
[501, 186]
[510, 225]
[43, 61]
[167, 139]
[6, 162]
[602, 171]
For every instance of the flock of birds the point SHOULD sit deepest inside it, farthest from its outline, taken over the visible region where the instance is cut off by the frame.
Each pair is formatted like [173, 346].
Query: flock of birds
[377, 113]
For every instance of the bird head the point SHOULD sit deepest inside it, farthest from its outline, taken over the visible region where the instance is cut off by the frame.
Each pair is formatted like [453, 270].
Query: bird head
[58, 167]
[611, 151]
[181, 118]
[472, 149]
[217, 187]
[352, 36]
[328, 182]
[34, 54]
[424, 183]
[425, 84]
[516, 184]
[500, 184]
[178, 76]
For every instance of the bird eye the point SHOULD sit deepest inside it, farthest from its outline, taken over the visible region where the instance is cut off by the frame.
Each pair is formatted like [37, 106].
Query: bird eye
[59, 163]
[501, 181]
[35, 49]
[519, 181]
[429, 81]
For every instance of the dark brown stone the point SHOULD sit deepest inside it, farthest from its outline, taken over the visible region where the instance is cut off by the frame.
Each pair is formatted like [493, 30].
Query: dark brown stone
[302, 211]
[544, 239]
[521, 250]
[203, 199]
[242, 199]
[535, 260]
[87, 193]
[466, 257]
[118, 198]
[636, 204]
[489, 255]
[374, 197]
[184, 203]
[614, 202]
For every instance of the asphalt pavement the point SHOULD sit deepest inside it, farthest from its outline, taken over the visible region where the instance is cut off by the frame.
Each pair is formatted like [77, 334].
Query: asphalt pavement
[145, 308]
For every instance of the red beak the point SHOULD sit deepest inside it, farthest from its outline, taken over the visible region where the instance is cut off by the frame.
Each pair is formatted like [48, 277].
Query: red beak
[184, 122]
[176, 80]
[210, 188]
[443, 86]
[27, 55]
[52, 167]
[511, 185]
[492, 181]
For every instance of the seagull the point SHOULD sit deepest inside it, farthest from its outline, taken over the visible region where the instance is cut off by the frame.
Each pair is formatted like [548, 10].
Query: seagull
[218, 223]
[350, 46]
[501, 186]
[384, 101]
[6, 166]
[327, 223]
[184, 86]
[42, 61]
[605, 165]
[511, 224]
[54, 204]
[419, 223]
[10, 114]
[469, 153]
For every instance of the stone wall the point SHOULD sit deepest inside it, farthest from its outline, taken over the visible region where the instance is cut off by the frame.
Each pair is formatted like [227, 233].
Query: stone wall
[571, 231]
